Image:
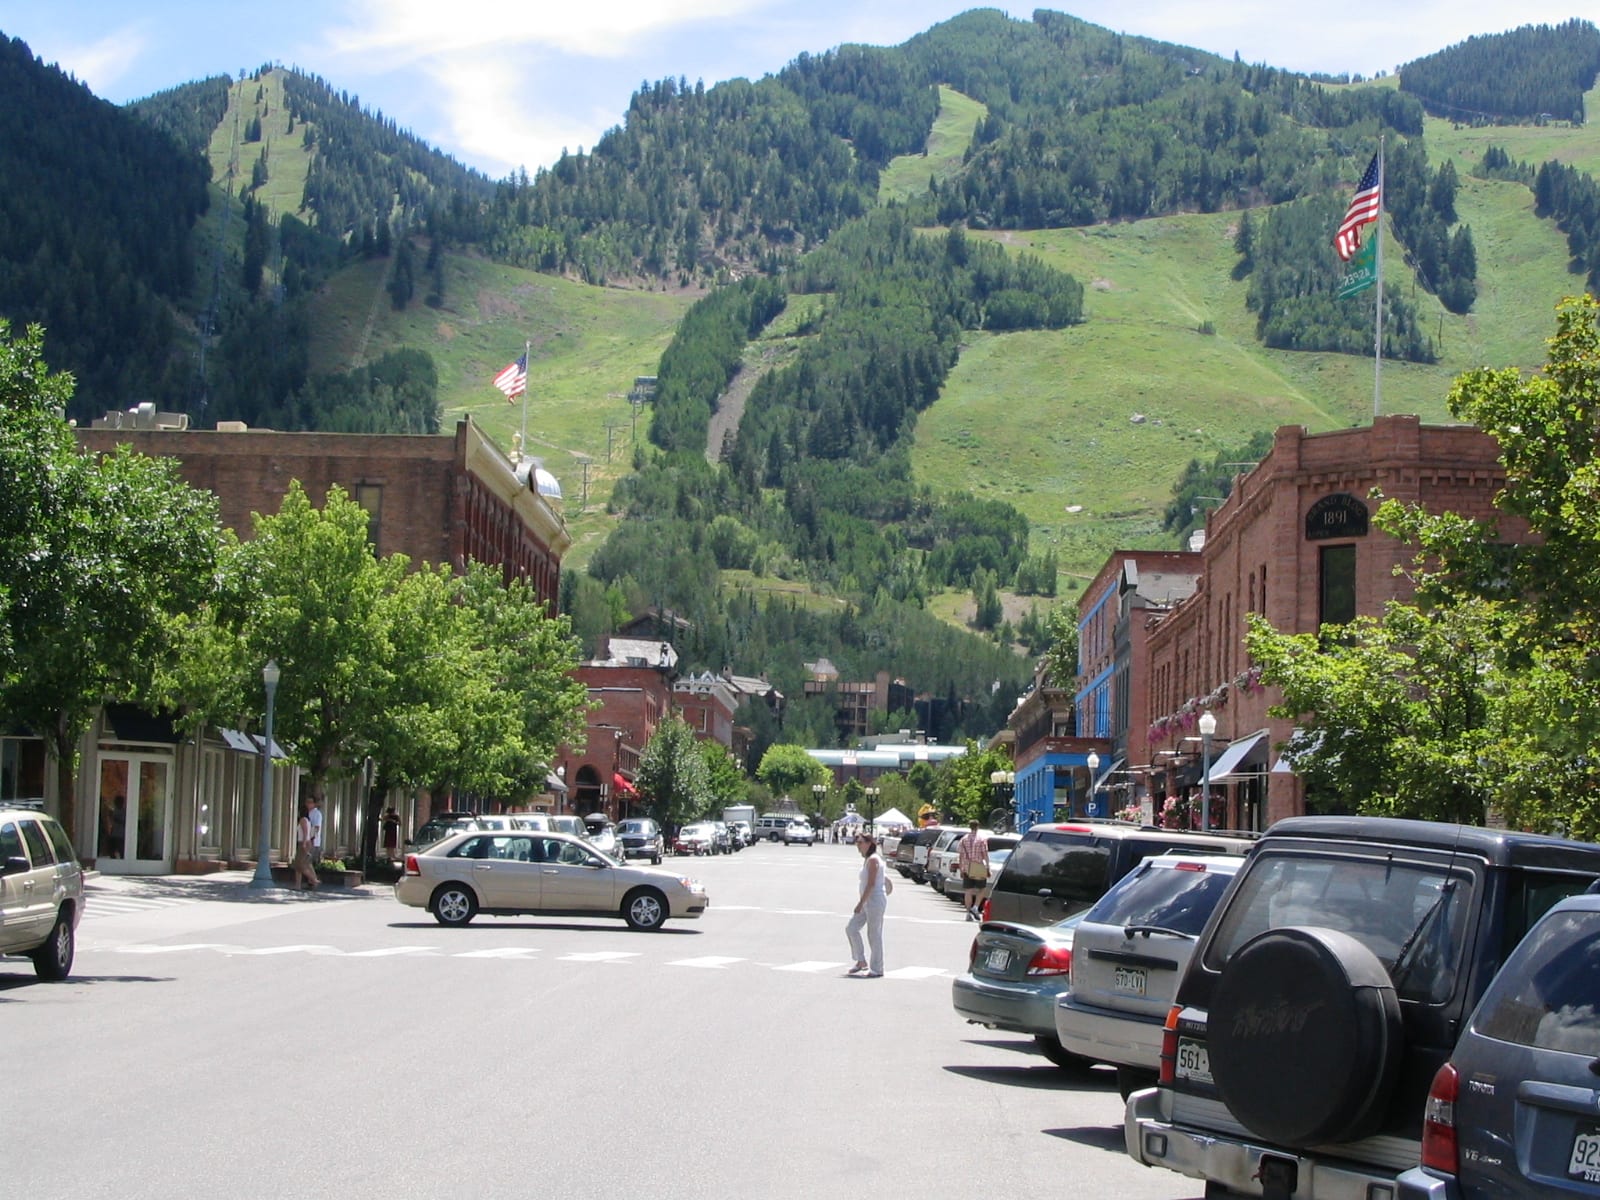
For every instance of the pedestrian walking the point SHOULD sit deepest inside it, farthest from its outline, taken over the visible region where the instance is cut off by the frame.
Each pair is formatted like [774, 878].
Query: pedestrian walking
[874, 887]
[305, 868]
[315, 817]
[972, 856]
[391, 833]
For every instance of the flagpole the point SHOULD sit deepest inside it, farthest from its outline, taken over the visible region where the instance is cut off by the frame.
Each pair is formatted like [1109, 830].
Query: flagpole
[1377, 319]
[522, 443]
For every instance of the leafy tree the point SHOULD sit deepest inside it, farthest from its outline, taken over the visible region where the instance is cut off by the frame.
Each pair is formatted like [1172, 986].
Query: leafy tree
[1394, 714]
[1062, 656]
[673, 779]
[101, 558]
[789, 771]
[320, 612]
[724, 781]
[964, 791]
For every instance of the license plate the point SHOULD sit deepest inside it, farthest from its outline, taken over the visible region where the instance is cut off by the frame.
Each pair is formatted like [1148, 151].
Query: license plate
[1129, 979]
[1585, 1162]
[1194, 1061]
[998, 959]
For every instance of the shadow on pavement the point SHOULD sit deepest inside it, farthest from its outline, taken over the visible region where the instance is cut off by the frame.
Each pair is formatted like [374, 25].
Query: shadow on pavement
[1043, 1077]
[230, 888]
[17, 982]
[500, 925]
[1101, 1137]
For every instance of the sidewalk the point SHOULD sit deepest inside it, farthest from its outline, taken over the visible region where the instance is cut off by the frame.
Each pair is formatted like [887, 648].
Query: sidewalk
[230, 886]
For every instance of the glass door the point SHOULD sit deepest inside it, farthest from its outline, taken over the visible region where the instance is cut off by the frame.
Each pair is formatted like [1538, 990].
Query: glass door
[135, 814]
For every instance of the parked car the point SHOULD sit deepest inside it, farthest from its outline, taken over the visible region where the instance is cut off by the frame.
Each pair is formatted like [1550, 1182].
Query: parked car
[1062, 868]
[41, 891]
[696, 838]
[641, 838]
[1513, 1113]
[441, 825]
[941, 856]
[742, 833]
[1000, 847]
[799, 833]
[548, 874]
[1014, 974]
[905, 852]
[721, 838]
[1131, 948]
[602, 834]
[924, 847]
[771, 825]
[506, 821]
[1326, 991]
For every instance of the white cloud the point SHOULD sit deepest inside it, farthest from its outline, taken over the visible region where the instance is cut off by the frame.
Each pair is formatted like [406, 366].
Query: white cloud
[412, 30]
[101, 63]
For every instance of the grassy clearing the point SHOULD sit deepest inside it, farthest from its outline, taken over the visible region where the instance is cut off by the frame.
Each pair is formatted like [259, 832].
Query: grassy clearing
[1533, 144]
[287, 158]
[1085, 429]
[588, 345]
[908, 175]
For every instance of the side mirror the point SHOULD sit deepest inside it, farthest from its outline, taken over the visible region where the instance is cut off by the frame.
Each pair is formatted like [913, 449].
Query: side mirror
[15, 866]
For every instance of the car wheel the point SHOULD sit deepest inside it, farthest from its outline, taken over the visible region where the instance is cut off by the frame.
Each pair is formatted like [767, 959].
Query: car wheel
[53, 960]
[644, 909]
[655, 859]
[1321, 1000]
[1051, 1047]
[454, 904]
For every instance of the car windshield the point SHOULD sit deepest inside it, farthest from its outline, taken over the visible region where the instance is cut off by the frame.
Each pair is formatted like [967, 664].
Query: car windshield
[1174, 899]
[1388, 906]
[632, 827]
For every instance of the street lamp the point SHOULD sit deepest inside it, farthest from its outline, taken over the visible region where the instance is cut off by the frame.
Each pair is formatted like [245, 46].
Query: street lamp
[872, 804]
[1003, 783]
[1208, 726]
[270, 675]
[1093, 763]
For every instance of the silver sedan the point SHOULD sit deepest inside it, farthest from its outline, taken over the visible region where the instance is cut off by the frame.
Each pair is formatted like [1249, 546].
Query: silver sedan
[549, 874]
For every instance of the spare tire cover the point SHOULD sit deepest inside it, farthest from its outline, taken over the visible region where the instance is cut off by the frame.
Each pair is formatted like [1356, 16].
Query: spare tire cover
[1304, 1034]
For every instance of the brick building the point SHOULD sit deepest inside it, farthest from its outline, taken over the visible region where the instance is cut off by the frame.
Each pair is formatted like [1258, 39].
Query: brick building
[630, 693]
[435, 498]
[1294, 542]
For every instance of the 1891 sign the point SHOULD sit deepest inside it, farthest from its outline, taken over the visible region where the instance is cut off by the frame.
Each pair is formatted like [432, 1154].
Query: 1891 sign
[1340, 515]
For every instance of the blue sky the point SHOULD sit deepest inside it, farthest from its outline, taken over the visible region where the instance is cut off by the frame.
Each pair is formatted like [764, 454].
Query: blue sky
[500, 84]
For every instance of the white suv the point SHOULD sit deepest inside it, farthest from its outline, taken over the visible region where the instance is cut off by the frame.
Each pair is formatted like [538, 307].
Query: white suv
[41, 891]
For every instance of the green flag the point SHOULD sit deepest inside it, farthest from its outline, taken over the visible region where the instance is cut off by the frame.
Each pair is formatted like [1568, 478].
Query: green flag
[1362, 272]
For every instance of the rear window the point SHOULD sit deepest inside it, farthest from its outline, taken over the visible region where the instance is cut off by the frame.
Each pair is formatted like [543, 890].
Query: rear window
[38, 844]
[1163, 897]
[1390, 907]
[1076, 868]
[1548, 996]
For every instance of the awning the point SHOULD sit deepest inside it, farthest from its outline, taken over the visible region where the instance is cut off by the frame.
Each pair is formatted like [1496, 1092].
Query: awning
[554, 782]
[238, 741]
[1246, 752]
[622, 785]
[131, 724]
[277, 747]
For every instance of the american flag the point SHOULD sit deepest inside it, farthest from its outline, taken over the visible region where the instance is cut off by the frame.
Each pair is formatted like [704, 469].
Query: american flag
[1363, 210]
[513, 381]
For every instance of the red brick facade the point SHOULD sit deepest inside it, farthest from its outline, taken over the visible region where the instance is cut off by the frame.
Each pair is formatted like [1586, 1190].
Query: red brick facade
[1291, 525]
[435, 498]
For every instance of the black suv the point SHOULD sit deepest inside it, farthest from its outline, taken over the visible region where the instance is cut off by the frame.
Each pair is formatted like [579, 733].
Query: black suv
[1062, 868]
[1327, 989]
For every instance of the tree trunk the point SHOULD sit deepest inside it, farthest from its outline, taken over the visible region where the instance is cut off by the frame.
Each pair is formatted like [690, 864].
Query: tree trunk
[64, 747]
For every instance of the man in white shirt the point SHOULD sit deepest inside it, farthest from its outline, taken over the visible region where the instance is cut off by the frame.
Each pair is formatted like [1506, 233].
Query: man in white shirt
[315, 817]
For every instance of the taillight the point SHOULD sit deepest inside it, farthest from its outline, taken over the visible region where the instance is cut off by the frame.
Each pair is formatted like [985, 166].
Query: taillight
[411, 865]
[1169, 1047]
[987, 904]
[1050, 960]
[1439, 1149]
[972, 954]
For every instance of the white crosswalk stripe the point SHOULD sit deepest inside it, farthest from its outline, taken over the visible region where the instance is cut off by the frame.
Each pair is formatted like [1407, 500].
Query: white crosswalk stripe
[710, 961]
[812, 968]
[600, 956]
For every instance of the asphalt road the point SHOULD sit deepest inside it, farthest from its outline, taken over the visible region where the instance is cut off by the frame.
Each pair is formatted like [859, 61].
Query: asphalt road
[215, 1042]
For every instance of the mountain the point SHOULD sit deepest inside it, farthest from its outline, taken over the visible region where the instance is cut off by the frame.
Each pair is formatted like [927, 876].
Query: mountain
[935, 326]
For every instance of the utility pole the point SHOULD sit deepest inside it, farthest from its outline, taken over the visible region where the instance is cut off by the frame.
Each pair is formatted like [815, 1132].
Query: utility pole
[611, 429]
[585, 461]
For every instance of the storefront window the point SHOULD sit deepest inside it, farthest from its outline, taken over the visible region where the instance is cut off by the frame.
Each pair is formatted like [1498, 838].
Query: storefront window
[1338, 585]
[21, 769]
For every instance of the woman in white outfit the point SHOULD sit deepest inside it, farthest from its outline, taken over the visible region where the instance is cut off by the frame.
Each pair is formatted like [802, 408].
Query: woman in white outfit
[874, 884]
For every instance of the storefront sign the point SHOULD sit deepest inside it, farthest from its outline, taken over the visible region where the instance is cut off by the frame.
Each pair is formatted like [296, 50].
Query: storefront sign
[1340, 515]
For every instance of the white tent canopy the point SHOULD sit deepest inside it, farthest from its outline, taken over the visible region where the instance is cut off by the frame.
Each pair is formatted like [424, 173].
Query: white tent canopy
[892, 817]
